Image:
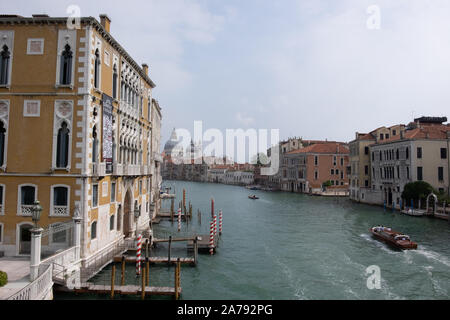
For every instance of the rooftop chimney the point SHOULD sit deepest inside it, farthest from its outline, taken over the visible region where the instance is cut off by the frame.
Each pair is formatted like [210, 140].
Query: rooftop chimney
[105, 21]
[145, 68]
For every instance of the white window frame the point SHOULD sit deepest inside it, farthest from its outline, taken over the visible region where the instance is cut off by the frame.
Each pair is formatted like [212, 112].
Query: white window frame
[2, 228]
[19, 194]
[2, 209]
[57, 121]
[52, 198]
[66, 36]
[7, 38]
[113, 191]
[29, 46]
[92, 196]
[25, 114]
[5, 120]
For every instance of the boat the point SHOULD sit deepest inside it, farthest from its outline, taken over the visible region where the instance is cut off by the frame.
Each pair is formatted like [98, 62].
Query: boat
[253, 197]
[414, 212]
[395, 238]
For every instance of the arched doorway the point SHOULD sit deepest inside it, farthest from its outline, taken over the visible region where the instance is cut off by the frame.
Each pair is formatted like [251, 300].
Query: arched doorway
[127, 215]
[25, 238]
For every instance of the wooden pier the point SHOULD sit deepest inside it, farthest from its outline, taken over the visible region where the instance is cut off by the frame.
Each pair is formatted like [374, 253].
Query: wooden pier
[156, 260]
[203, 244]
[127, 290]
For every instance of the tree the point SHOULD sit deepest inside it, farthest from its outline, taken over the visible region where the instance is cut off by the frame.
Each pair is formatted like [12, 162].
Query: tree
[416, 190]
[260, 159]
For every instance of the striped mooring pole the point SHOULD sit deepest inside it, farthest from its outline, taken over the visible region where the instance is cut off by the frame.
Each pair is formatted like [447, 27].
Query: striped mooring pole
[138, 255]
[220, 222]
[211, 239]
[215, 225]
[179, 219]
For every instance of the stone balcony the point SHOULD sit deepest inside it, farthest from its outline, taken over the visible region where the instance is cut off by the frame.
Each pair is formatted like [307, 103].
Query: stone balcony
[99, 169]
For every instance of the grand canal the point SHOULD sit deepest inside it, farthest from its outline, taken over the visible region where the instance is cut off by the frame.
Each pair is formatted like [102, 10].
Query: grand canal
[291, 246]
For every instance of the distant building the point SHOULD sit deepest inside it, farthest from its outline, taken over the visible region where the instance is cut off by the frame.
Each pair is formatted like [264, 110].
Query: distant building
[308, 169]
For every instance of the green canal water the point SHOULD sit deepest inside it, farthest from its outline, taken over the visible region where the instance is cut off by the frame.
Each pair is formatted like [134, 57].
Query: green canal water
[290, 246]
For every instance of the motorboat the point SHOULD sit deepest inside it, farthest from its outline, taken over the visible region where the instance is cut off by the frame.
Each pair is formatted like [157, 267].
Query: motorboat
[395, 238]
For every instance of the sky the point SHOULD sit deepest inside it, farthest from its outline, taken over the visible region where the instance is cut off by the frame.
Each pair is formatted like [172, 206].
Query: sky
[315, 69]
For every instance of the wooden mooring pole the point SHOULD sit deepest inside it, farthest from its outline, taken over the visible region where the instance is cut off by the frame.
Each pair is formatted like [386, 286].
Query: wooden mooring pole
[122, 280]
[199, 214]
[195, 250]
[170, 248]
[113, 278]
[177, 279]
[172, 209]
[143, 284]
[147, 271]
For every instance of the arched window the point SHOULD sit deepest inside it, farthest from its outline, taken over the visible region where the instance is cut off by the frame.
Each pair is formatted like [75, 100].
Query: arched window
[62, 148]
[2, 143]
[4, 64]
[66, 66]
[94, 230]
[111, 223]
[97, 69]
[94, 145]
[114, 79]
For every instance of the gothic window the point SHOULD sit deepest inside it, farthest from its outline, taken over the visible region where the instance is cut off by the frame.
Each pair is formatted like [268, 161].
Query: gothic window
[62, 148]
[114, 79]
[5, 56]
[94, 145]
[97, 69]
[66, 66]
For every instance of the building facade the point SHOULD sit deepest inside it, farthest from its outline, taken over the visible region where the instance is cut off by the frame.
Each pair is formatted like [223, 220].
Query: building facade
[360, 162]
[420, 153]
[306, 170]
[77, 134]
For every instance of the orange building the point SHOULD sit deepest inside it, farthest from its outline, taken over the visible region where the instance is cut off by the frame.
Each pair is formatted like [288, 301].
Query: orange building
[76, 133]
[308, 169]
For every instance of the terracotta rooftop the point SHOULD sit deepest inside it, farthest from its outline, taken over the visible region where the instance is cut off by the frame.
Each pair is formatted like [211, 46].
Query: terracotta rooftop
[423, 132]
[323, 147]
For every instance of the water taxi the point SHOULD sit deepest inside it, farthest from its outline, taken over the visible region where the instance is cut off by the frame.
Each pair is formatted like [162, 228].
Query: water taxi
[395, 238]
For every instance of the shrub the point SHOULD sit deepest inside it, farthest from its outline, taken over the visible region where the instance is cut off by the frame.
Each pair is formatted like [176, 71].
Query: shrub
[3, 278]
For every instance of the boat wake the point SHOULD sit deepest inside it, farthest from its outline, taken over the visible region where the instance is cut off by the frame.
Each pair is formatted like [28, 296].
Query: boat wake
[379, 244]
[431, 255]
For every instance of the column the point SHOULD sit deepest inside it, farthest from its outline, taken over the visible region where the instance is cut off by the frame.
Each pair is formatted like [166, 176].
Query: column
[77, 237]
[35, 258]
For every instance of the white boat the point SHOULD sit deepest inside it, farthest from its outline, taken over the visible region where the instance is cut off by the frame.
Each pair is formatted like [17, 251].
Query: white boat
[414, 212]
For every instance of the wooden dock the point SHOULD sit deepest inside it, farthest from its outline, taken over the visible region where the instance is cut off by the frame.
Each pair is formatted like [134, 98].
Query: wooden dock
[168, 216]
[156, 260]
[203, 244]
[127, 290]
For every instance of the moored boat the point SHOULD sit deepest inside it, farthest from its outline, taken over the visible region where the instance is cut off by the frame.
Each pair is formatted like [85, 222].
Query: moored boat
[395, 238]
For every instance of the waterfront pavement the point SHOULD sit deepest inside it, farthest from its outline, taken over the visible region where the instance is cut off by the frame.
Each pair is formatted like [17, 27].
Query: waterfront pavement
[18, 271]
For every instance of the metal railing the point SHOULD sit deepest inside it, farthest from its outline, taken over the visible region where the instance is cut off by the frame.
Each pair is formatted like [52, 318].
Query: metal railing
[99, 261]
[39, 288]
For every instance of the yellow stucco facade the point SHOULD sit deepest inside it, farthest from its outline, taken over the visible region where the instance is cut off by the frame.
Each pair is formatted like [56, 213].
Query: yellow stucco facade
[35, 106]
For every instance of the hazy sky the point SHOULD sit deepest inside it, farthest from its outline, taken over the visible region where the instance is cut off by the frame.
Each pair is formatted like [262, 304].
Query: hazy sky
[310, 68]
